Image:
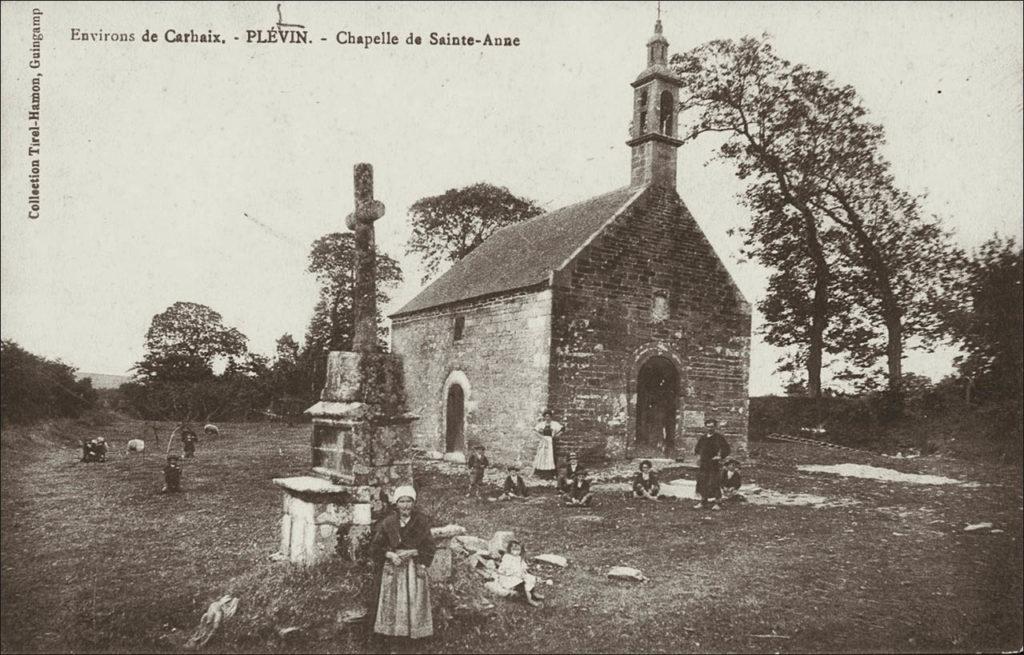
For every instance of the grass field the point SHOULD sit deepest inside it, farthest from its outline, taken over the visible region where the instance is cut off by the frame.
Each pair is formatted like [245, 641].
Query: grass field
[94, 558]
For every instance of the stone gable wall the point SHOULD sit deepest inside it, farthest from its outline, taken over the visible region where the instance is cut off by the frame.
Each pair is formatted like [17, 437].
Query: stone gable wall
[604, 327]
[501, 362]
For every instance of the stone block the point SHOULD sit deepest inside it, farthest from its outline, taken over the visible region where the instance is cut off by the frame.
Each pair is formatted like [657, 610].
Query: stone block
[441, 567]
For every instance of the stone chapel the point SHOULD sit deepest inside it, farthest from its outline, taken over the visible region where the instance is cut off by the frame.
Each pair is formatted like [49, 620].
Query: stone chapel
[615, 312]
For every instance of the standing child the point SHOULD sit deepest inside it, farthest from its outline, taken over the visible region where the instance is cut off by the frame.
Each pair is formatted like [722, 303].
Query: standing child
[189, 439]
[477, 464]
[172, 474]
[515, 485]
[513, 574]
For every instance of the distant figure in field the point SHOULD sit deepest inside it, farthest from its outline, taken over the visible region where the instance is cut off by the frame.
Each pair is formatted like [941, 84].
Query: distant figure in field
[172, 474]
[731, 481]
[189, 439]
[579, 494]
[94, 450]
[515, 485]
[645, 482]
[711, 449]
[211, 430]
[477, 464]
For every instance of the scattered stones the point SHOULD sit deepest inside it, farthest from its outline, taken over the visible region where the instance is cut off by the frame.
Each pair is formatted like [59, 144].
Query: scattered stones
[626, 573]
[548, 558]
[471, 544]
[284, 632]
[278, 557]
[448, 531]
[877, 473]
[496, 589]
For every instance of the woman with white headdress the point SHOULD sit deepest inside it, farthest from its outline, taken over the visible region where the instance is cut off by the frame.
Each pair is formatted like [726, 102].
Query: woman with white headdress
[402, 548]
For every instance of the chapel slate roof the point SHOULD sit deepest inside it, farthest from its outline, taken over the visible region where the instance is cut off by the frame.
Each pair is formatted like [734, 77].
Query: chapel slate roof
[522, 255]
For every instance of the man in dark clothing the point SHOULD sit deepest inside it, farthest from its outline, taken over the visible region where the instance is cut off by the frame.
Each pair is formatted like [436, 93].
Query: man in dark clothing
[711, 449]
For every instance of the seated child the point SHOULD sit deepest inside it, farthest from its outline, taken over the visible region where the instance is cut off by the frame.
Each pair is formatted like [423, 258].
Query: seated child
[172, 474]
[477, 464]
[579, 493]
[515, 486]
[731, 480]
[645, 483]
[101, 449]
[513, 574]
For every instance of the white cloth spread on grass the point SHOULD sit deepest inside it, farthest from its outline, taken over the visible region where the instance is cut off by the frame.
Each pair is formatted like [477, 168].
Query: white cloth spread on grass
[877, 473]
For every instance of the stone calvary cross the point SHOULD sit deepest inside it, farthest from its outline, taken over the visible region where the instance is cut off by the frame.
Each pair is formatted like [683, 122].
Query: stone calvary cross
[364, 290]
[361, 446]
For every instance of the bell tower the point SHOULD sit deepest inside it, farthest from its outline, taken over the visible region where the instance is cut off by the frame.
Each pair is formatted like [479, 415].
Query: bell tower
[653, 133]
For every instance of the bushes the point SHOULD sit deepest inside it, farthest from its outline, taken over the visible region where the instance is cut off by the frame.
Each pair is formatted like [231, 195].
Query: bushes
[35, 387]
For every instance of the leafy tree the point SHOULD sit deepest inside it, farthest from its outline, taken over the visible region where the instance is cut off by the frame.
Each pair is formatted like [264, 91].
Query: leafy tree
[35, 387]
[185, 340]
[448, 227]
[990, 321]
[332, 261]
[867, 253]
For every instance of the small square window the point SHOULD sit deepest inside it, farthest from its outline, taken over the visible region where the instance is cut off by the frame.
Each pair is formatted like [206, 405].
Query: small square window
[460, 324]
[659, 310]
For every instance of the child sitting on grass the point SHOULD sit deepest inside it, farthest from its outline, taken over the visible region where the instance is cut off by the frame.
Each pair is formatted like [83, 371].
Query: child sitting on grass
[579, 493]
[515, 485]
[514, 575]
[645, 483]
[731, 481]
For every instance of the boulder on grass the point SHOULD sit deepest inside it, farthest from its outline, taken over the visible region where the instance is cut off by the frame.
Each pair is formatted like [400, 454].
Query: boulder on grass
[626, 573]
[471, 544]
[547, 558]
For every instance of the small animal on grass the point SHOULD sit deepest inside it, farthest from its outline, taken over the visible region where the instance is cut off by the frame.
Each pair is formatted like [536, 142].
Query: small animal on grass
[172, 474]
[211, 430]
[135, 446]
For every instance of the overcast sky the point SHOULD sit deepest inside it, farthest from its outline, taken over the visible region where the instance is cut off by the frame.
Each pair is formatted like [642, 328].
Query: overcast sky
[154, 154]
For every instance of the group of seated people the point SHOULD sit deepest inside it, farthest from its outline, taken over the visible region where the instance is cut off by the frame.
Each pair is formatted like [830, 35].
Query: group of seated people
[94, 450]
[574, 487]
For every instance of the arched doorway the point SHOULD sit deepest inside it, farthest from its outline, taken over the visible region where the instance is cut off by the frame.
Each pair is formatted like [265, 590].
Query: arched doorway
[455, 420]
[657, 391]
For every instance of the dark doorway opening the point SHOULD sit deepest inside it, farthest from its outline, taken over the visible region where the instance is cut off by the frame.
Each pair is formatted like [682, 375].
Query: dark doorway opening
[657, 391]
[455, 413]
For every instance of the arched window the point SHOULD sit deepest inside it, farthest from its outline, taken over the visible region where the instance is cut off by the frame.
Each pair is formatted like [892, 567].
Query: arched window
[642, 114]
[666, 114]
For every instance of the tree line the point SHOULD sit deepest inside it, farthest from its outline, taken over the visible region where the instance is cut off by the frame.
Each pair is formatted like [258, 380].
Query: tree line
[857, 266]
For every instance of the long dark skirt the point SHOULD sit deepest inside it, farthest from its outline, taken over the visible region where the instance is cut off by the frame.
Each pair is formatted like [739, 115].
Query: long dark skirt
[708, 480]
[403, 606]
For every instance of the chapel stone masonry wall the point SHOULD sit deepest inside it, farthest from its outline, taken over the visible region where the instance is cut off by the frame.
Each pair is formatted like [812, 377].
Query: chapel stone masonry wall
[501, 360]
[605, 326]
